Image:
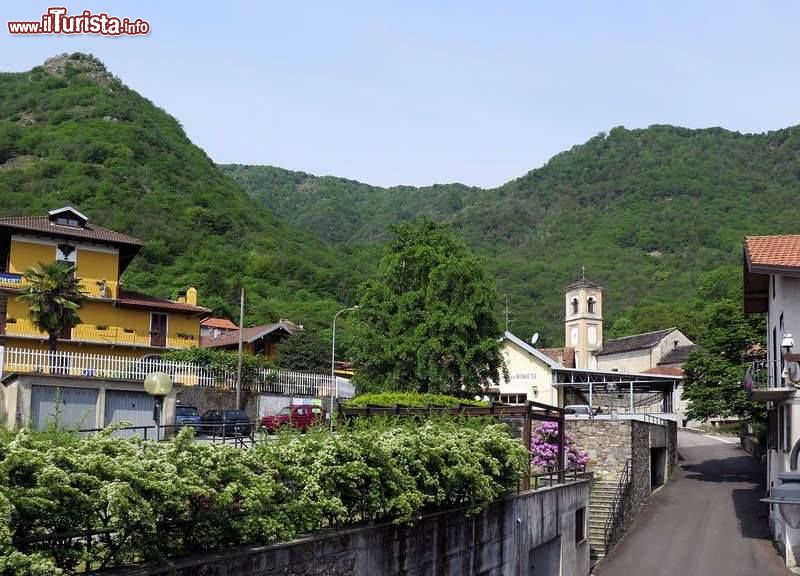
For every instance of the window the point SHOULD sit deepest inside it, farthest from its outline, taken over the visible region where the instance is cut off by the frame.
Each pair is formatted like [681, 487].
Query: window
[61, 221]
[592, 335]
[590, 305]
[574, 305]
[513, 398]
[580, 525]
[573, 335]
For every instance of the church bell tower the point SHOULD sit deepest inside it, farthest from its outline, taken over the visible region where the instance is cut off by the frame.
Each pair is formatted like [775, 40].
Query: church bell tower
[583, 321]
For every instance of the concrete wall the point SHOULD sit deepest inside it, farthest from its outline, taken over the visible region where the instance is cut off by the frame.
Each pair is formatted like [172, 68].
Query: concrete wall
[504, 540]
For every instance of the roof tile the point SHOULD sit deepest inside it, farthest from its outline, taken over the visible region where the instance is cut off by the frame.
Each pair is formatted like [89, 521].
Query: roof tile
[88, 231]
[781, 251]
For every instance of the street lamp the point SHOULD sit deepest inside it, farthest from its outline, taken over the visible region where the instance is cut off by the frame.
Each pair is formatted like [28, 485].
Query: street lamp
[158, 385]
[787, 494]
[334, 384]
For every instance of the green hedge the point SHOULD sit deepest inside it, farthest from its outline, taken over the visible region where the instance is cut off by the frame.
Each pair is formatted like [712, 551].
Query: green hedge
[155, 501]
[412, 399]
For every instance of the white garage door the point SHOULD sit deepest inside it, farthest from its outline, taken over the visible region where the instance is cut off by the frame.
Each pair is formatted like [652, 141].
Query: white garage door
[71, 408]
[134, 407]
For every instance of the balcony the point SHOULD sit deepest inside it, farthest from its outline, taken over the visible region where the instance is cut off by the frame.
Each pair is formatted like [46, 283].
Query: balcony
[9, 280]
[91, 288]
[109, 367]
[90, 333]
[765, 381]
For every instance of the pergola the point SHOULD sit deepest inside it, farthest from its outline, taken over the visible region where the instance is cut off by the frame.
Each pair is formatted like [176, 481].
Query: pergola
[617, 391]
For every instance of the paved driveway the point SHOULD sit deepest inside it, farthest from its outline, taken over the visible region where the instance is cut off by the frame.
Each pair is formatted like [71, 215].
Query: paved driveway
[706, 522]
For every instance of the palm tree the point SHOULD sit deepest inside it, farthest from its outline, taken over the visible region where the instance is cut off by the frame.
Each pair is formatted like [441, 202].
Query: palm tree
[53, 295]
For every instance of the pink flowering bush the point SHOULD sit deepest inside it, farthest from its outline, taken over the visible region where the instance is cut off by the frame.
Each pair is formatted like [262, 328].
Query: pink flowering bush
[544, 448]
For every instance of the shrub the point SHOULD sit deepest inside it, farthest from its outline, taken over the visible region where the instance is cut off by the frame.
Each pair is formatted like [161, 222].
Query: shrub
[412, 399]
[544, 448]
[151, 501]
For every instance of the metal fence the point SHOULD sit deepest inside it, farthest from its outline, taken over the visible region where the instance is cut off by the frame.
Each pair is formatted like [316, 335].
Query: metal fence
[264, 380]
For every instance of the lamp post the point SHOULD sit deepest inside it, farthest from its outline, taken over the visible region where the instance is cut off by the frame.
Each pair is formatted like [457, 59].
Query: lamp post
[158, 385]
[334, 386]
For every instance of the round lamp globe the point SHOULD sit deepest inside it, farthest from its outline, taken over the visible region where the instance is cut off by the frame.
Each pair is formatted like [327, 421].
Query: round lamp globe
[158, 384]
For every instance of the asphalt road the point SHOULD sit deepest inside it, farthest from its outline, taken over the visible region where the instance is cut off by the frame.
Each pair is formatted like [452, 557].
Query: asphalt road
[705, 522]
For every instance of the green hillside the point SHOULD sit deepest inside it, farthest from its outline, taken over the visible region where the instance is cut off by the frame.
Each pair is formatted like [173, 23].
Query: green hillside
[70, 133]
[648, 212]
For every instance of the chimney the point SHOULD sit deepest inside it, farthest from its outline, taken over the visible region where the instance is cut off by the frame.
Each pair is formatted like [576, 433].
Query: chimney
[191, 296]
[182, 296]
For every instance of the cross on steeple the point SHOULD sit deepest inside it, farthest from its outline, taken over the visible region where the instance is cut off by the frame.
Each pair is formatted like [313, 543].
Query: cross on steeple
[583, 272]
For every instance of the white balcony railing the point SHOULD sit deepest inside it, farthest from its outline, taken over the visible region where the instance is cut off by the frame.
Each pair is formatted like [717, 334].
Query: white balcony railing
[264, 380]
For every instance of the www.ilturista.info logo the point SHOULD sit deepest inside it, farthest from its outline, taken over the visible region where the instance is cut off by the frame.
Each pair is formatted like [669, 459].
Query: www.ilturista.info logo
[56, 21]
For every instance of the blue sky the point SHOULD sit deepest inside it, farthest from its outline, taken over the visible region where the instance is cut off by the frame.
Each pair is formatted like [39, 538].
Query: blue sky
[425, 92]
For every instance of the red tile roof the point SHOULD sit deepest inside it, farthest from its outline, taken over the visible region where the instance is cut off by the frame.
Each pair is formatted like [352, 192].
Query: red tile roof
[222, 323]
[564, 356]
[88, 231]
[773, 251]
[139, 300]
[665, 371]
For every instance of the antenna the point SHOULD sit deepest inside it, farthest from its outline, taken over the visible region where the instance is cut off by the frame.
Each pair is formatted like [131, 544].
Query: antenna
[535, 338]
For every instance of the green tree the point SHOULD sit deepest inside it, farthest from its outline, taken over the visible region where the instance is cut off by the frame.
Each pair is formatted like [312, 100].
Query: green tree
[427, 322]
[53, 295]
[728, 341]
[304, 351]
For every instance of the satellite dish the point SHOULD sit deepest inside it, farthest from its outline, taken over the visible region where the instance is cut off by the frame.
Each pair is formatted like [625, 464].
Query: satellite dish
[535, 338]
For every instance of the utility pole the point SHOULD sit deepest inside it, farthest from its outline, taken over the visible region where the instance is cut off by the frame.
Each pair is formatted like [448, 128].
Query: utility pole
[506, 312]
[239, 367]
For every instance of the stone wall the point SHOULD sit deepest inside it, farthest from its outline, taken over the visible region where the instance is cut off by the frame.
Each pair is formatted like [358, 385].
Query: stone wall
[640, 466]
[501, 541]
[607, 443]
[672, 446]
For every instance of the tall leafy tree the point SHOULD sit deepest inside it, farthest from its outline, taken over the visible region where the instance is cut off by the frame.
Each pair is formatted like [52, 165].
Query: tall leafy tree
[427, 323]
[304, 351]
[53, 295]
[729, 340]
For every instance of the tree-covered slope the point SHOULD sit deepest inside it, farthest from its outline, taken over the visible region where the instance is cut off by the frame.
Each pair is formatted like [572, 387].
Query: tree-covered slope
[70, 133]
[648, 212]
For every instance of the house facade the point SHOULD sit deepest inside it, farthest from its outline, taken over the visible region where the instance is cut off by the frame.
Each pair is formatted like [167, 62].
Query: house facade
[772, 287]
[96, 376]
[641, 352]
[112, 318]
[257, 340]
[530, 374]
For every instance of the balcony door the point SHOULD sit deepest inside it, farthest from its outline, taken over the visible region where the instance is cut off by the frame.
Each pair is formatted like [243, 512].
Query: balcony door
[158, 329]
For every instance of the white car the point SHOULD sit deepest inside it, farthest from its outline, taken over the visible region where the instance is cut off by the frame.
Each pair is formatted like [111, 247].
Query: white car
[578, 410]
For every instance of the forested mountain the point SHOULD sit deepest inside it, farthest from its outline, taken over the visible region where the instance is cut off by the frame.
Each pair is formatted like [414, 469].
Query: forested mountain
[648, 212]
[71, 133]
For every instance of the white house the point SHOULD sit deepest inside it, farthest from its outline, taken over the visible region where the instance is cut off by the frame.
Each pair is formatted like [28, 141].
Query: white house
[530, 374]
[772, 286]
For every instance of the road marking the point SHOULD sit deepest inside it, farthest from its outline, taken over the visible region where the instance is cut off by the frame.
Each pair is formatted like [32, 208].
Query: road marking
[724, 440]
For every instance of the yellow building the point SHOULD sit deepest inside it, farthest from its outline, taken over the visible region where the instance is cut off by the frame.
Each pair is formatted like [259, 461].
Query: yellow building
[114, 321]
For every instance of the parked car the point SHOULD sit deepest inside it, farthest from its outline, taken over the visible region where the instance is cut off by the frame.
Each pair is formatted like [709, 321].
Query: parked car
[301, 417]
[186, 415]
[226, 423]
[578, 410]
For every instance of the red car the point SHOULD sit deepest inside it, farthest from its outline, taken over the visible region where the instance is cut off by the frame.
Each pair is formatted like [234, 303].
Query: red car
[301, 416]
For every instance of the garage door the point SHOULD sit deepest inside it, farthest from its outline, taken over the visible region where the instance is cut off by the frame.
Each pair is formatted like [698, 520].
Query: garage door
[133, 407]
[77, 407]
